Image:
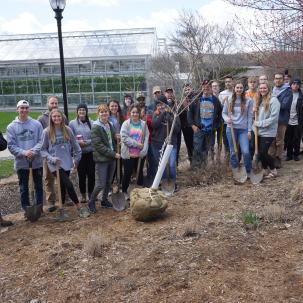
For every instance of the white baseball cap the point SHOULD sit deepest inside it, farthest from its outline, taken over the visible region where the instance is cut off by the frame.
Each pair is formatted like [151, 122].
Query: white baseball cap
[23, 103]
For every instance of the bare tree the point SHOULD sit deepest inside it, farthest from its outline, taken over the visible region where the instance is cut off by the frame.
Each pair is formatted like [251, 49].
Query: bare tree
[276, 34]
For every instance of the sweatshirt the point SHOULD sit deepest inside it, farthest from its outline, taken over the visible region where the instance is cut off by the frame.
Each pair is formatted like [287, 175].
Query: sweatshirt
[61, 149]
[127, 142]
[82, 128]
[268, 120]
[284, 95]
[240, 120]
[22, 136]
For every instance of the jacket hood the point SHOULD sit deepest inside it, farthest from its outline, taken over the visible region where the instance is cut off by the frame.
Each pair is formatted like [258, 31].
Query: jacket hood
[22, 122]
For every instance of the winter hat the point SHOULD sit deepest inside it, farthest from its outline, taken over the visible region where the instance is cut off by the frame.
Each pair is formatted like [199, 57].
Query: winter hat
[82, 105]
[296, 81]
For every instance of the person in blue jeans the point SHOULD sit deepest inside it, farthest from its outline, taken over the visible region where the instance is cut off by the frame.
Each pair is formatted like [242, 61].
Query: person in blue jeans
[239, 113]
[161, 125]
[24, 141]
[204, 116]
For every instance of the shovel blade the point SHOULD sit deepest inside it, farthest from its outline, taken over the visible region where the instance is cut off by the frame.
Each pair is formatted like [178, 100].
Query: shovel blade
[239, 174]
[33, 212]
[256, 176]
[118, 201]
[168, 187]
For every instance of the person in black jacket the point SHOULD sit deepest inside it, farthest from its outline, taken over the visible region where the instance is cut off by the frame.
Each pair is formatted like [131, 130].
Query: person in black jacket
[204, 116]
[295, 123]
[3, 146]
[284, 94]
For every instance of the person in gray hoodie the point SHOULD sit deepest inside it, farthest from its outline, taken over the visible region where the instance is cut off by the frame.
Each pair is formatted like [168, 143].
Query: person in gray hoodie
[81, 128]
[49, 184]
[267, 108]
[24, 143]
[58, 142]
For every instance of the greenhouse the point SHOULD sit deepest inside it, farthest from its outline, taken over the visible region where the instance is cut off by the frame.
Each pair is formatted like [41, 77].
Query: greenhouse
[99, 65]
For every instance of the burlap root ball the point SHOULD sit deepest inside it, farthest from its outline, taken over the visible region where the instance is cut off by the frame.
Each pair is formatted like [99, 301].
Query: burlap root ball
[147, 204]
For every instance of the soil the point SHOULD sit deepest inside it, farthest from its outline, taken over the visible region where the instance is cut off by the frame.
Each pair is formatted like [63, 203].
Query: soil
[199, 251]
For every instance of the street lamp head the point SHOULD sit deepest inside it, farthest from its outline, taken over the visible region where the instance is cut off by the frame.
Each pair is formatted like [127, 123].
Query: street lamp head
[57, 5]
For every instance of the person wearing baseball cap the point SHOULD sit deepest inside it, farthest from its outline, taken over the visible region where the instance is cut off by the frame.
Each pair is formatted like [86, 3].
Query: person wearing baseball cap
[204, 116]
[24, 142]
[294, 128]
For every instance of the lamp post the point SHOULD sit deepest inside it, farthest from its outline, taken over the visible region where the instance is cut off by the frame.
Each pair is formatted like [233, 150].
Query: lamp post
[58, 7]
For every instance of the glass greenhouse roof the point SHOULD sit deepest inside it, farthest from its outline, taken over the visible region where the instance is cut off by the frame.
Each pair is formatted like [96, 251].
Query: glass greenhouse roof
[83, 44]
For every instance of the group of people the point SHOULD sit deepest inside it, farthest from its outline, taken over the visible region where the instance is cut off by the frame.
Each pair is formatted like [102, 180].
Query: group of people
[135, 134]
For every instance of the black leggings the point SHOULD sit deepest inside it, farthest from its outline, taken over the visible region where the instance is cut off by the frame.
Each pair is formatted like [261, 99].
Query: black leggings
[66, 185]
[86, 170]
[129, 165]
[265, 158]
[293, 140]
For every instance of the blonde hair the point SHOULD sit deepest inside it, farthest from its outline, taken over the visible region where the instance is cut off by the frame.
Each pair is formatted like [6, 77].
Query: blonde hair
[102, 108]
[266, 99]
[52, 129]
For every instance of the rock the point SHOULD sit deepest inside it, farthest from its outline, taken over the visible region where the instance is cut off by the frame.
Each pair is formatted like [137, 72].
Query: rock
[35, 301]
[147, 204]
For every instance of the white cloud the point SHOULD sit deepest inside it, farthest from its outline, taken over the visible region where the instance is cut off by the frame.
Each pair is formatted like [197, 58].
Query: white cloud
[106, 3]
[24, 23]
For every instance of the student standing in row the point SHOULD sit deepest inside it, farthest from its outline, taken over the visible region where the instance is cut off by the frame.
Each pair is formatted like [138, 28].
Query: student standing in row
[134, 145]
[81, 128]
[24, 142]
[49, 184]
[104, 151]
[238, 113]
[58, 145]
[267, 108]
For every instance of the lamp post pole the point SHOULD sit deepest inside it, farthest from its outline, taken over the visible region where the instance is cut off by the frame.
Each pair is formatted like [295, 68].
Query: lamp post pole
[58, 7]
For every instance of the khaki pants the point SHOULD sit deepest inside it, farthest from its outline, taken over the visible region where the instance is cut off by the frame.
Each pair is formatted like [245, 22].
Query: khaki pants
[49, 185]
[277, 146]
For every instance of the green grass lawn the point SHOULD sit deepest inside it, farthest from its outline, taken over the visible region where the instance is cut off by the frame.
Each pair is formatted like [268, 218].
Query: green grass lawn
[7, 117]
[6, 168]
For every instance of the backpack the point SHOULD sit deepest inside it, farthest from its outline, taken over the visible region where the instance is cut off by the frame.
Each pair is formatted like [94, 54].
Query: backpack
[3, 143]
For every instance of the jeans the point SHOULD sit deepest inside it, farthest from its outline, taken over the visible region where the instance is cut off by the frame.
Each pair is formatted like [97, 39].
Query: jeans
[202, 145]
[66, 186]
[241, 137]
[86, 171]
[104, 175]
[152, 164]
[188, 139]
[171, 162]
[266, 160]
[293, 140]
[23, 176]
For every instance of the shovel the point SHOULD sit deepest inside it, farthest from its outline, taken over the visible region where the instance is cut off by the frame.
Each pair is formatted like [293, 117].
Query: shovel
[118, 198]
[257, 173]
[63, 216]
[32, 212]
[168, 185]
[239, 173]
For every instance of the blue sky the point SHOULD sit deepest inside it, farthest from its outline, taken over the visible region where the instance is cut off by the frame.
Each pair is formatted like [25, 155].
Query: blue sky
[32, 16]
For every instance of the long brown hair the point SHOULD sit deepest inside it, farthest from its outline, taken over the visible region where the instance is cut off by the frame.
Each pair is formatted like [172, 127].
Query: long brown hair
[52, 128]
[234, 98]
[266, 99]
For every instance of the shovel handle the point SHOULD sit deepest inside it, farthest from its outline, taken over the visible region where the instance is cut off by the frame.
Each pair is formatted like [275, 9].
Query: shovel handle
[256, 135]
[59, 187]
[31, 179]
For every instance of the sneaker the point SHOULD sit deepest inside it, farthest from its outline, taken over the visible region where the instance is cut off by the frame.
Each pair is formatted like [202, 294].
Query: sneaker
[84, 212]
[296, 158]
[92, 208]
[106, 204]
[83, 200]
[272, 174]
[288, 158]
[52, 208]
